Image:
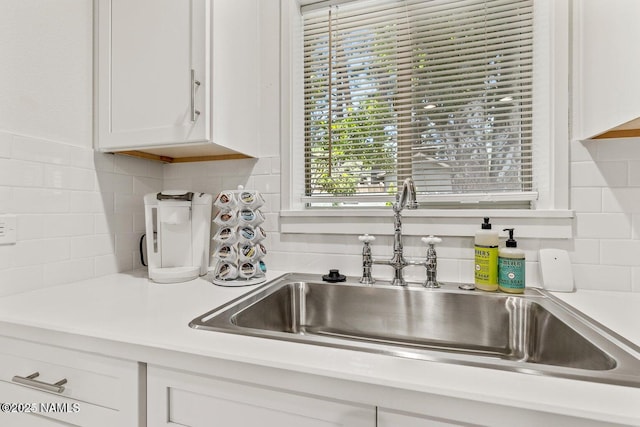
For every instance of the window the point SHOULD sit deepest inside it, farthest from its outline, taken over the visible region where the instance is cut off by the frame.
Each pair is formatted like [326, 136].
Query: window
[468, 97]
[438, 90]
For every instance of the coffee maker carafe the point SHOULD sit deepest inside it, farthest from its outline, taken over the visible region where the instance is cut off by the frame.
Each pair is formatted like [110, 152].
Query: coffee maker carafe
[178, 225]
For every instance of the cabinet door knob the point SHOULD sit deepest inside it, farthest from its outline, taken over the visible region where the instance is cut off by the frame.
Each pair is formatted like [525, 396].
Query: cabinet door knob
[32, 382]
[194, 85]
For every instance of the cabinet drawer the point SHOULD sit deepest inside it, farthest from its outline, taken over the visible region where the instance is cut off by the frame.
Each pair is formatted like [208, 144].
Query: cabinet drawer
[95, 386]
[189, 399]
[32, 408]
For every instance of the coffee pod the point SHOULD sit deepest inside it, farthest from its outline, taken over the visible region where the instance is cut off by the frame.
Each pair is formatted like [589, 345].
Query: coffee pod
[225, 200]
[226, 271]
[247, 252]
[250, 216]
[226, 218]
[247, 216]
[247, 270]
[226, 235]
[260, 235]
[246, 234]
[250, 199]
[226, 252]
[262, 266]
[260, 250]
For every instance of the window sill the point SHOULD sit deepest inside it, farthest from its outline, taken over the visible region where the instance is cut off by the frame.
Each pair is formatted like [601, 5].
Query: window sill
[544, 224]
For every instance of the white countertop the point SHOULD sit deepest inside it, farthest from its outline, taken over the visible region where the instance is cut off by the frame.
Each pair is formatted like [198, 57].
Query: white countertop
[128, 310]
[618, 311]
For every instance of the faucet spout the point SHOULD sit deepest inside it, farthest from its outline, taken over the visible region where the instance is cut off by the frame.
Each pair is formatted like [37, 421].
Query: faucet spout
[405, 197]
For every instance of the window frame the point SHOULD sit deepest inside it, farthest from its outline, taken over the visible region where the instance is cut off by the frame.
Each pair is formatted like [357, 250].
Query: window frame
[548, 217]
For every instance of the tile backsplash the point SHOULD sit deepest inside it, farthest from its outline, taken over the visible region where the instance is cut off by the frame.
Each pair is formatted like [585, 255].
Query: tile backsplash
[605, 194]
[80, 213]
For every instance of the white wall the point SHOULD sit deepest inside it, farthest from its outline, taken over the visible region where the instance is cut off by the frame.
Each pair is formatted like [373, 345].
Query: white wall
[80, 213]
[45, 71]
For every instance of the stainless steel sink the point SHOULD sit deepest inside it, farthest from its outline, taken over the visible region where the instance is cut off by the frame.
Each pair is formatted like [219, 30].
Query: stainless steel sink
[534, 333]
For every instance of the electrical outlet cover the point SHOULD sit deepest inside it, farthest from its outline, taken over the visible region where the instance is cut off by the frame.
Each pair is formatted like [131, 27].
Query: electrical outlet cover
[555, 270]
[7, 229]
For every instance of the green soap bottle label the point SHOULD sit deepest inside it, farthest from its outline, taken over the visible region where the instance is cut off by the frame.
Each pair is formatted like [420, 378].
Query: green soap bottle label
[511, 273]
[486, 265]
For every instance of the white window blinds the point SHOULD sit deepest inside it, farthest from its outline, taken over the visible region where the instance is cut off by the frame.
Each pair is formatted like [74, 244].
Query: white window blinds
[438, 90]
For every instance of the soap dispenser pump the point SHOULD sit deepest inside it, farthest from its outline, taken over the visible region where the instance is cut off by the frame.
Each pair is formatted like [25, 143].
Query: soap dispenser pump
[511, 266]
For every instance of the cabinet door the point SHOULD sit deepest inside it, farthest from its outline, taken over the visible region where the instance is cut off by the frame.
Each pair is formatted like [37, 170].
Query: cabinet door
[606, 67]
[185, 399]
[146, 51]
[395, 419]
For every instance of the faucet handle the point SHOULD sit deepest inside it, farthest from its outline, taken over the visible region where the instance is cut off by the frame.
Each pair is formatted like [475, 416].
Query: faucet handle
[431, 240]
[366, 238]
[432, 262]
[367, 260]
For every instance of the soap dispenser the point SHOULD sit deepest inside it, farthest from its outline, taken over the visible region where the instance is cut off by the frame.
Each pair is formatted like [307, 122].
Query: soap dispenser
[511, 263]
[486, 258]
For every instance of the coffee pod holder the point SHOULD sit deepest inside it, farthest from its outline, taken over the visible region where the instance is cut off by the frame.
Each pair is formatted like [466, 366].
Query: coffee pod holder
[237, 241]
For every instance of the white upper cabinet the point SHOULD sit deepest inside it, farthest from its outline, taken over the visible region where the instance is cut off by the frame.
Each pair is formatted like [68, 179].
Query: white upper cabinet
[177, 79]
[606, 86]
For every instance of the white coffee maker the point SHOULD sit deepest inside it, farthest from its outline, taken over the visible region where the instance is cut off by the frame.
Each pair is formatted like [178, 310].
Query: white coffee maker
[178, 224]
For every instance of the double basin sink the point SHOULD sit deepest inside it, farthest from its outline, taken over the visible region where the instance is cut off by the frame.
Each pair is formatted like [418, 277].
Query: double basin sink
[533, 333]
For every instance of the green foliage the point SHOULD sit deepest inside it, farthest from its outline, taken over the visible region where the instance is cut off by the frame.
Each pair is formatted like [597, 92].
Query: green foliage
[361, 144]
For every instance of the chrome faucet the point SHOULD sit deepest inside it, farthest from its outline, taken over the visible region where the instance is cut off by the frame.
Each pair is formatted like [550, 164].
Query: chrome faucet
[405, 197]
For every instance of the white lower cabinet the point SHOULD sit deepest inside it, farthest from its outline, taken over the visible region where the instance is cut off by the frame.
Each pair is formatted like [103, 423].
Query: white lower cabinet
[47, 386]
[42, 385]
[187, 399]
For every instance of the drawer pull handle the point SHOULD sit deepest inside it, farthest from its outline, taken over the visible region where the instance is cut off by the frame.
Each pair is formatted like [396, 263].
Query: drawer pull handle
[194, 85]
[30, 381]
